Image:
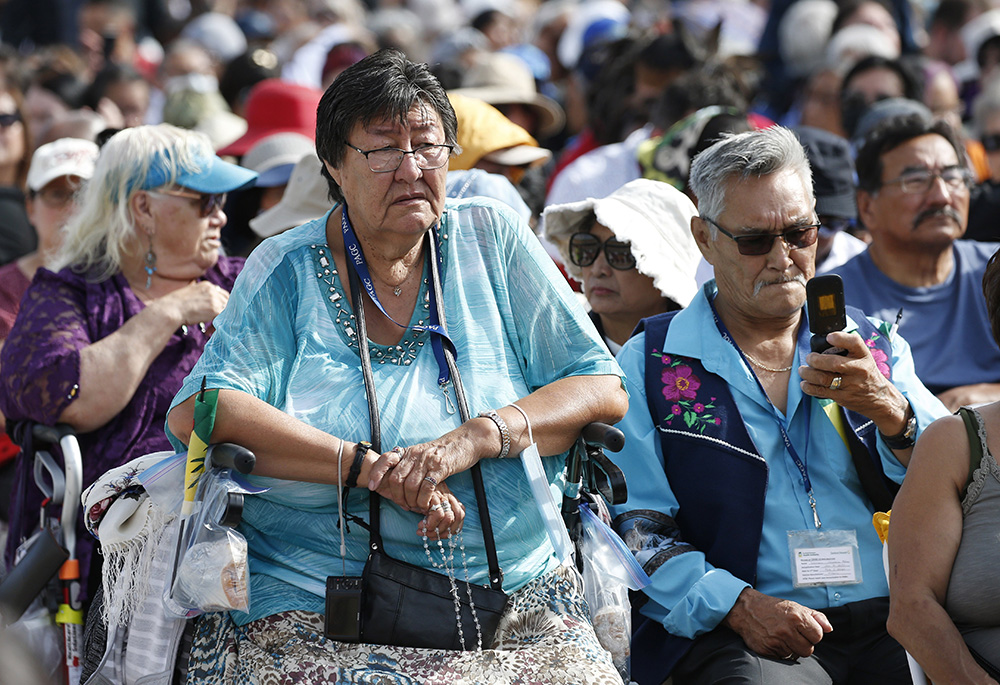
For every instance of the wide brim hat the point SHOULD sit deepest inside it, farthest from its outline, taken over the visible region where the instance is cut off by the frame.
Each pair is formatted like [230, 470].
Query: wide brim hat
[653, 217]
[485, 133]
[306, 198]
[276, 106]
[503, 79]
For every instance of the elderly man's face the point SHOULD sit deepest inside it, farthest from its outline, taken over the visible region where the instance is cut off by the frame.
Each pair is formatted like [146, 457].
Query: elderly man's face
[406, 201]
[923, 218]
[769, 286]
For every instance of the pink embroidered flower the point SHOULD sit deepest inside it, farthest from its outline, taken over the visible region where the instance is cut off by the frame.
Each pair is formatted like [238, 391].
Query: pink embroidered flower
[881, 359]
[717, 421]
[680, 383]
[676, 410]
[698, 407]
[665, 359]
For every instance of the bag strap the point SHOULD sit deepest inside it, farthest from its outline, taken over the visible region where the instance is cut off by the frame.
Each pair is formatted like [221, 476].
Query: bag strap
[374, 531]
[975, 444]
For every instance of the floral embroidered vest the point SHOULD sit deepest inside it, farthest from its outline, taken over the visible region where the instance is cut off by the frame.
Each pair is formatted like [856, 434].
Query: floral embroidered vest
[716, 472]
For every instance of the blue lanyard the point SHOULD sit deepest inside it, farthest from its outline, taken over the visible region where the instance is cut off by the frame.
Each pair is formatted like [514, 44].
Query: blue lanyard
[356, 258]
[780, 420]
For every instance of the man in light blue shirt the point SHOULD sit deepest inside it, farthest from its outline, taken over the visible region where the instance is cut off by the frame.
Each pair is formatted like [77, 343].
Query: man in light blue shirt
[752, 463]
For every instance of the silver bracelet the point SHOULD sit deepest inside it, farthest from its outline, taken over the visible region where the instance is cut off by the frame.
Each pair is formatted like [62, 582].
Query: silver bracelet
[502, 426]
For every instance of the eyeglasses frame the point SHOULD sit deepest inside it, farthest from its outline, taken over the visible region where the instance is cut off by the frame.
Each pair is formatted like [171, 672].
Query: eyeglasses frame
[451, 148]
[207, 202]
[602, 246]
[742, 240]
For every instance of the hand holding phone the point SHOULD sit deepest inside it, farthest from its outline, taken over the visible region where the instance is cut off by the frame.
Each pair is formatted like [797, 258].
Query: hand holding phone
[825, 307]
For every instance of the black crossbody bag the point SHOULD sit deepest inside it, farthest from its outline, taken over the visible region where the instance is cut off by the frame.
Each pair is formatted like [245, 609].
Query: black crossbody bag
[402, 604]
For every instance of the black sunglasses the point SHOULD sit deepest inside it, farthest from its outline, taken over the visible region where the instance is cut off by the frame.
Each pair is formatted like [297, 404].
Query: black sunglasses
[756, 244]
[991, 142]
[207, 202]
[584, 248]
[9, 119]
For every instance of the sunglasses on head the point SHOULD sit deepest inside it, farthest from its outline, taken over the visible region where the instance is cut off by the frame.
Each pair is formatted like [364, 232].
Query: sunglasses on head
[9, 119]
[584, 248]
[756, 244]
[207, 202]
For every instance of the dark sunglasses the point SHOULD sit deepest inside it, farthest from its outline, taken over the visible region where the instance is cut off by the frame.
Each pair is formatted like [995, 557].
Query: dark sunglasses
[207, 202]
[991, 142]
[584, 248]
[756, 244]
[9, 119]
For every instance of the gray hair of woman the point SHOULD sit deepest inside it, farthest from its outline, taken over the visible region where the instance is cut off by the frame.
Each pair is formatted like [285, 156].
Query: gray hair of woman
[382, 86]
[134, 159]
[741, 156]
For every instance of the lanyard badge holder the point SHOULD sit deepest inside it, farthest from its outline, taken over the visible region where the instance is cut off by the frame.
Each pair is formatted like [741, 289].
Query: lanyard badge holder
[819, 557]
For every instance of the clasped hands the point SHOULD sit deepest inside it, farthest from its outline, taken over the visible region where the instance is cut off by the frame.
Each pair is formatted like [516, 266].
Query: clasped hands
[414, 478]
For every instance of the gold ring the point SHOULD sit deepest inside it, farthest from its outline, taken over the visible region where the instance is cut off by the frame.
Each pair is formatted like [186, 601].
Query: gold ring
[836, 382]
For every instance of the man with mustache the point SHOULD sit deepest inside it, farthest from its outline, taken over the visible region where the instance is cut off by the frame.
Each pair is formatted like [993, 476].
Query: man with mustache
[754, 464]
[913, 197]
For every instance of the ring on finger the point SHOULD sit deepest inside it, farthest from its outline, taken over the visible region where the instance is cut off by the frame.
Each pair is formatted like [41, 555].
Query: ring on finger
[437, 507]
[445, 506]
[397, 449]
[836, 382]
[432, 481]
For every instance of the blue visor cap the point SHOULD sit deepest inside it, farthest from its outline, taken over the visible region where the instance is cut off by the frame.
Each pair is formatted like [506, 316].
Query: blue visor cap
[213, 176]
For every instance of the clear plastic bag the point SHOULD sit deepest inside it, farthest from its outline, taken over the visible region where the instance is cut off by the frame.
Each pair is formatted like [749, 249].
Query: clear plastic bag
[211, 571]
[609, 571]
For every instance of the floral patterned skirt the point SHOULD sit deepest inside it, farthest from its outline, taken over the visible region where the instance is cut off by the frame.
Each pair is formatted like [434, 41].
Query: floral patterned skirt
[545, 637]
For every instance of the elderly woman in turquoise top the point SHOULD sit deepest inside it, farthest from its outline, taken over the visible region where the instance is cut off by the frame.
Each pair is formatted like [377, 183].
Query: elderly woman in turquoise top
[286, 358]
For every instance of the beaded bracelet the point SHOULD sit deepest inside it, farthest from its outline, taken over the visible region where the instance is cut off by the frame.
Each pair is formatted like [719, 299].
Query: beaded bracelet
[504, 433]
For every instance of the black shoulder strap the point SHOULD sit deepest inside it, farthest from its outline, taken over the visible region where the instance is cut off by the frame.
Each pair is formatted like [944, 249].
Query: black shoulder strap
[975, 444]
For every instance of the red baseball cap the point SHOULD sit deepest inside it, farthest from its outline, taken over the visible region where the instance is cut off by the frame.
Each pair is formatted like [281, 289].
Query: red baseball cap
[276, 106]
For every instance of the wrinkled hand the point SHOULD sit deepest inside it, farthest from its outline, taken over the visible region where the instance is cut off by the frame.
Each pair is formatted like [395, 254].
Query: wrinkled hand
[411, 476]
[444, 517]
[196, 303]
[970, 395]
[863, 388]
[774, 627]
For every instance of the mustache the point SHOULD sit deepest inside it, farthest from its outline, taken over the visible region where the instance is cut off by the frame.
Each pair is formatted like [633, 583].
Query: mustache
[949, 212]
[759, 285]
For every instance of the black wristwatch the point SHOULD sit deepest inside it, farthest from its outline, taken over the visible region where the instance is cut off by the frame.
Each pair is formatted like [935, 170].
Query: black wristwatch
[359, 458]
[904, 439]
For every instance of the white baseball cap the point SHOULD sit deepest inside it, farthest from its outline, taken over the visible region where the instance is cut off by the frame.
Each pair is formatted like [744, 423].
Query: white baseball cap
[63, 157]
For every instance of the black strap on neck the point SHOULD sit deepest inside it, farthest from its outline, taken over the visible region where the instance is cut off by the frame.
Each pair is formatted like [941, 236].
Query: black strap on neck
[374, 531]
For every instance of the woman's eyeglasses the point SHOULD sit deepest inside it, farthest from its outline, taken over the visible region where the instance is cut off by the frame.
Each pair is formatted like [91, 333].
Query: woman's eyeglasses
[584, 248]
[207, 202]
[756, 244]
[388, 159]
[9, 119]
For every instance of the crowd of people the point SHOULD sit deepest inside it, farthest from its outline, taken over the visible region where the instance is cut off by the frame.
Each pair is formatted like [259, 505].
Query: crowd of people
[407, 242]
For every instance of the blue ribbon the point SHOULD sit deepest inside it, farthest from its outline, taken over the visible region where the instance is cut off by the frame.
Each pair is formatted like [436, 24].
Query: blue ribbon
[789, 447]
[355, 257]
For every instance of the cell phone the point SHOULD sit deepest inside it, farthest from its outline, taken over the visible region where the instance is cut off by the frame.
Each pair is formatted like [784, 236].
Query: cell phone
[343, 609]
[825, 306]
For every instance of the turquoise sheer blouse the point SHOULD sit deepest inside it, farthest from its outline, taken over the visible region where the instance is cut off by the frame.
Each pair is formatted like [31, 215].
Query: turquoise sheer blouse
[287, 336]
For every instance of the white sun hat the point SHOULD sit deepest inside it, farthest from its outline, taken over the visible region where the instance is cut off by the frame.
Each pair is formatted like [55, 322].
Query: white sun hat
[307, 197]
[653, 217]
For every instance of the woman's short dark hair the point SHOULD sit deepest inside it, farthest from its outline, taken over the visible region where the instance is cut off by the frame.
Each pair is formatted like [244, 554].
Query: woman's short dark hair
[991, 289]
[383, 85]
[892, 133]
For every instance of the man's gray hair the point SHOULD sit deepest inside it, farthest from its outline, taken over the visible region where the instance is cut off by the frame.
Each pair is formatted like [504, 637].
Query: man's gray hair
[741, 156]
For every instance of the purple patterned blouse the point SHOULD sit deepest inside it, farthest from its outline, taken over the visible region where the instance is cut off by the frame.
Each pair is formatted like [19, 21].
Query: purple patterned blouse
[40, 368]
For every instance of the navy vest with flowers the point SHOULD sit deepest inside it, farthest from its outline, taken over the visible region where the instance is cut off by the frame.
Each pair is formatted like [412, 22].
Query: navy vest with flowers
[717, 474]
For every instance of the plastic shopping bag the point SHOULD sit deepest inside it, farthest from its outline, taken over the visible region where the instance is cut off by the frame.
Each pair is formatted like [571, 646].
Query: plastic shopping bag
[609, 571]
